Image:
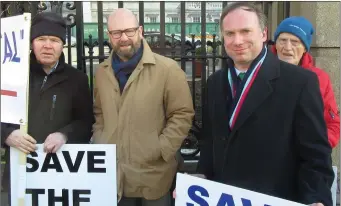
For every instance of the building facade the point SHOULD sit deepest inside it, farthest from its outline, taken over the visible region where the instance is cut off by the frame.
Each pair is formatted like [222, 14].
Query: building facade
[152, 11]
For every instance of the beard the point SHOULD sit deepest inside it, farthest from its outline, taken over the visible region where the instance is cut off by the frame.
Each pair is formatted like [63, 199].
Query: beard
[127, 49]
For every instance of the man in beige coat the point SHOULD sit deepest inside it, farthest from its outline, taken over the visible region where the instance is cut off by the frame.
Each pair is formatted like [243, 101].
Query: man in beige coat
[144, 106]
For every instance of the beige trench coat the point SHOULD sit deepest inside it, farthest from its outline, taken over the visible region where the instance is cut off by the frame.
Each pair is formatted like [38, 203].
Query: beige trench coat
[148, 122]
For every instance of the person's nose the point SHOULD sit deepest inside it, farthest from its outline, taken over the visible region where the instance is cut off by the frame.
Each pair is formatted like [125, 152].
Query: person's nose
[124, 37]
[238, 39]
[47, 44]
[287, 45]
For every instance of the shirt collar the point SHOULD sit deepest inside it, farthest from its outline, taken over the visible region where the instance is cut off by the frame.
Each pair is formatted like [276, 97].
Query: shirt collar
[238, 71]
[54, 68]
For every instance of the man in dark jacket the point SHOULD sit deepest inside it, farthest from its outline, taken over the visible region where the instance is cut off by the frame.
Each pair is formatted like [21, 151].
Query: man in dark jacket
[60, 104]
[263, 119]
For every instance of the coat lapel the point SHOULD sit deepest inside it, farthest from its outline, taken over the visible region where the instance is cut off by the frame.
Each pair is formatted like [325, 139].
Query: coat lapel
[259, 91]
[51, 81]
[221, 103]
[110, 73]
[112, 78]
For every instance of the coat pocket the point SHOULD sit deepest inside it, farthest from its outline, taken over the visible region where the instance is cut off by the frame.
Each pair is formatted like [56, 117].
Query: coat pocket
[145, 149]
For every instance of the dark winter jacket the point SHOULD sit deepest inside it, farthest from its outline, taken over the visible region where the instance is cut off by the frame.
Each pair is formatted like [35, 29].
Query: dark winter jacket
[278, 145]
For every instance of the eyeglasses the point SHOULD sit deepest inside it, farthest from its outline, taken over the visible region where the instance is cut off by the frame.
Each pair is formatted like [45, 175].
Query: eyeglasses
[293, 42]
[116, 34]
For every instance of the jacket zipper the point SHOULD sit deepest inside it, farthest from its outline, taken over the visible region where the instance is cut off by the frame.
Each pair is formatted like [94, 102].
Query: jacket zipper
[44, 81]
[45, 78]
[331, 114]
[54, 99]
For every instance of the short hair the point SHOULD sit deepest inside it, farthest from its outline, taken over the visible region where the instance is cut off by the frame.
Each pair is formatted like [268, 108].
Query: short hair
[251, 7]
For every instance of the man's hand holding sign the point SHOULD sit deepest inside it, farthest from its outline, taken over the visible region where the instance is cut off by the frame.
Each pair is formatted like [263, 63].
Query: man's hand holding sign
[27, 144]
[22, 141]
[54, 141]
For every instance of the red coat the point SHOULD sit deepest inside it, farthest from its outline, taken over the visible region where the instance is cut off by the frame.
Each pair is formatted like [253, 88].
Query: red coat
[331, 113]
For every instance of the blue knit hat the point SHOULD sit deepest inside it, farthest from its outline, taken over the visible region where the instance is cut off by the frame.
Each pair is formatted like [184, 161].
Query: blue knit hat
[298, 26]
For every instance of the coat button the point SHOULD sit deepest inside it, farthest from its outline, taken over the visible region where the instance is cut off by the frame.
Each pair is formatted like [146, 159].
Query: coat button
[116, 90]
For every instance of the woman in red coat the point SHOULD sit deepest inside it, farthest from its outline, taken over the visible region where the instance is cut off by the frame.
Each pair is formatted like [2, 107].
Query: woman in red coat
[292, 43]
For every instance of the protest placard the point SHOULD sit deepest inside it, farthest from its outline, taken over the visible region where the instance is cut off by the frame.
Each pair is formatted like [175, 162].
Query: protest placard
[75, 175]
[15, 49]
[193, 191]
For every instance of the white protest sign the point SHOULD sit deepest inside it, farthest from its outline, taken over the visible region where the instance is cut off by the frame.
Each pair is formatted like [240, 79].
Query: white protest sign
[83, 174]
[15, 49]
[194, 191]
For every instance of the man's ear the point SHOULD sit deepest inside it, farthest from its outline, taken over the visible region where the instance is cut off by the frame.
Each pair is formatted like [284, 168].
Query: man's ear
[265, 34]
[141, 31]
[108, 35]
